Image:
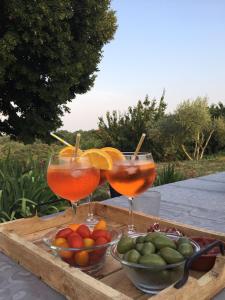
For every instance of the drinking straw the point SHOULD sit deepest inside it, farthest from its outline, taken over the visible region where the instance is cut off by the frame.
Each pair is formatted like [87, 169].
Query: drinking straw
[139, 145]
[61, 140]
[77, 144]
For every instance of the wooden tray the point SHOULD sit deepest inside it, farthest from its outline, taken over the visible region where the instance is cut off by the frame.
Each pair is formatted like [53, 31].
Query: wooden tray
[22, 241]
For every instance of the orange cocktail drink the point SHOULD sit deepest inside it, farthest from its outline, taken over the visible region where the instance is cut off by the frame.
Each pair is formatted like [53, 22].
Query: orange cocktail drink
[72, 178]
[132, 177]
[72, 183]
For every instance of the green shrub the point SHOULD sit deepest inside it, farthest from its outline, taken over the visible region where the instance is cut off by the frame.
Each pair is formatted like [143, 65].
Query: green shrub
[22, 153]
[168, 174]
[24, 191]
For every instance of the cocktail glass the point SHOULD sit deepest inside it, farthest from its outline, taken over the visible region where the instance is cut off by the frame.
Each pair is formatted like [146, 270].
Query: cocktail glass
[131, 177]
[72, 178]
[92, 219]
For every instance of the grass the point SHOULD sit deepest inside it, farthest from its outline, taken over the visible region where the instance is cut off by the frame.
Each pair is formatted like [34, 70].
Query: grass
[24, 190]
[191, 169]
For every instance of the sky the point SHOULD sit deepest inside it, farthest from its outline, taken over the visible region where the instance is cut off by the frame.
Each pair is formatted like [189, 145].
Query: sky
[178, 45]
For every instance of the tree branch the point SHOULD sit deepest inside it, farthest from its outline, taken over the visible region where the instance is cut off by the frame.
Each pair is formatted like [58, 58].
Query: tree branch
[206, 143]
[196, 156]
[186, 153]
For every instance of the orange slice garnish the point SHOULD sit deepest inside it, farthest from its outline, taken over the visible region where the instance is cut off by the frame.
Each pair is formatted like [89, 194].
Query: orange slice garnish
[114, 153]
[69, 151]
[98, 158]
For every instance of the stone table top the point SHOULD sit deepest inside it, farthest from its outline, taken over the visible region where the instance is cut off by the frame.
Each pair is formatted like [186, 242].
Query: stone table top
[198, 201]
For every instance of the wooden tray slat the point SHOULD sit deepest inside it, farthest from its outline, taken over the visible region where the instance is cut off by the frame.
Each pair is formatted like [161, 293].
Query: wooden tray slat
[120, 282]
[22, 241]
[71, 282]
[203, 288]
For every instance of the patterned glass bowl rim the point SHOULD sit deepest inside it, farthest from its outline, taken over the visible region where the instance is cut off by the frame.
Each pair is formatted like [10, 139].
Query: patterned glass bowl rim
[175, 237]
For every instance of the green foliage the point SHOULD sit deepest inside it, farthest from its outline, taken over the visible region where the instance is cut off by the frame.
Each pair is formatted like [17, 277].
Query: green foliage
[166, 136]
[168, 174]
[193, 117]
[123, 131]
[49, 52]
[217, 142]
[217, 110]
[101, 193]
[24, 190]
[19, 152]
[189, 129]
[89, 138]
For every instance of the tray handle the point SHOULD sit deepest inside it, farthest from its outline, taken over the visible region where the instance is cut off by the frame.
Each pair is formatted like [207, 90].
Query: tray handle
[190, 260]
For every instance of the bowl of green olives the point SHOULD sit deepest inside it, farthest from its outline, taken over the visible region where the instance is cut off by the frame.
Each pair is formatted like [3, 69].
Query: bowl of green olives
[155, 260]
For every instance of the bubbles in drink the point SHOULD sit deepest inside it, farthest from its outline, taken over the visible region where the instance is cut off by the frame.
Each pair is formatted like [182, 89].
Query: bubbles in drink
[76, 173]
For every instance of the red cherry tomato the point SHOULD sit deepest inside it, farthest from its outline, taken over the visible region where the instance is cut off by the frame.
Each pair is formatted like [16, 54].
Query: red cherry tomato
[101, 233]
[84, 231]
[75, 241]
[73, 234]
[63, 233]
[100, 241]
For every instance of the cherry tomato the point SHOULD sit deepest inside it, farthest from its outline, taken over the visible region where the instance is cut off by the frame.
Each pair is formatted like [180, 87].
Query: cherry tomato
[101, 225]
[75, 241]
[63, 233]
[81, 258]
[73, 234]
[101, 233]
[83, 231]
[100, 241]
[74, 226]
[61, 242]
[88, 242]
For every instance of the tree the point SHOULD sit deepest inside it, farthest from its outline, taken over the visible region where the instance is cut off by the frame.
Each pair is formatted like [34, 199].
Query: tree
[217, 110]
[123, 131]
[49, 52]
[190, 128]
[167, 138]
[89, 138]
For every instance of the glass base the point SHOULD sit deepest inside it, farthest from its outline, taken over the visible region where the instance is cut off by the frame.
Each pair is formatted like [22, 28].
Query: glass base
[131, 229]
[91, 220]
[147, 289]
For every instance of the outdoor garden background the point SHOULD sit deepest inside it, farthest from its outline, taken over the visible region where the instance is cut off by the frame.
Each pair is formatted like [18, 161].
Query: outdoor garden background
[49, 53]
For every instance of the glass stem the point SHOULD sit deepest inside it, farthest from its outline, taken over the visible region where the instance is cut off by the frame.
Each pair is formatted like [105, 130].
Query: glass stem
[131, 228]
[75, 205]
[90, 210]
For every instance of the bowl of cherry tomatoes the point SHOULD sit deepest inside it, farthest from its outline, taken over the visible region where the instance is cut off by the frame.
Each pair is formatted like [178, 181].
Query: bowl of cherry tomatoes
[82, 247]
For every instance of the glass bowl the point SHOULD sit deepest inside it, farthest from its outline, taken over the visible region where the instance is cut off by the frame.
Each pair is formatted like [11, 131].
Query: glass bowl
[152, 279]
[91, 258]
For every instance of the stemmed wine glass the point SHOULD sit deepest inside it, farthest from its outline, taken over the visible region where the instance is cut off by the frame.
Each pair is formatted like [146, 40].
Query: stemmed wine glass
[72, 178]
[92, 219]
[131, 177]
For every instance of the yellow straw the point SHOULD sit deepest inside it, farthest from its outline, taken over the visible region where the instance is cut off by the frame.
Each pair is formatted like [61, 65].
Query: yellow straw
[139, 145]
[77, 144]
[61, 140]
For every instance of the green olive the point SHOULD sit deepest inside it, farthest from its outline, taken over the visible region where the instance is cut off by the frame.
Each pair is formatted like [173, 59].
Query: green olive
[171, 256]
[186, 249]
[125, 244]
[148, 248]
[153, 260]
